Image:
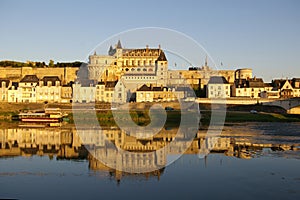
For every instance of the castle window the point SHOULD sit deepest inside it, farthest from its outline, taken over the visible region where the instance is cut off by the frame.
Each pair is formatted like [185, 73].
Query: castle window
[144, 69]
[138, 69]
[126, 69]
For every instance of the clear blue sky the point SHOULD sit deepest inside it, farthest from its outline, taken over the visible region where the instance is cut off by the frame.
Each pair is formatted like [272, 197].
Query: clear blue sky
[263, 35]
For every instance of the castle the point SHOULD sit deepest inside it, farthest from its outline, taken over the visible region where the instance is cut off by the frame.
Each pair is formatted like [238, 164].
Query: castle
[141, 75]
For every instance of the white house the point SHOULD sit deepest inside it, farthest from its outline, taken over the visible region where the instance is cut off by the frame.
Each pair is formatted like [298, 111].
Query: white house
[4, 85]
[49, 89]
[84, 93]
[27, 88]
[218, 87]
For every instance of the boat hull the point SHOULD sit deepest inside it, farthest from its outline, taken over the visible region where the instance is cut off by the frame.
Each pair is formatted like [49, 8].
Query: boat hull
[44, 120]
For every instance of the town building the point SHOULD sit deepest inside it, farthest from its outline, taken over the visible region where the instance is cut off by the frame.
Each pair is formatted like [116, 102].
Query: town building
[66, 93]
[157, 94]
[247, 86]
[49, 89]
[253, 88]
[13, 92]
[296, 86]
[287, 88]
[105, 91]
[218, 87]
[121, 94]
[84, 92]
[5, 84]
[27, 89]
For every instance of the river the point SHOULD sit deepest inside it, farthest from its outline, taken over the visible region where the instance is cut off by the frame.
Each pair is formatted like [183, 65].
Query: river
[248, 161]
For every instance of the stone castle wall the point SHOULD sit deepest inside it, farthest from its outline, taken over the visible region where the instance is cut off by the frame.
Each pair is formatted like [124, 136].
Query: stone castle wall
[17, 73]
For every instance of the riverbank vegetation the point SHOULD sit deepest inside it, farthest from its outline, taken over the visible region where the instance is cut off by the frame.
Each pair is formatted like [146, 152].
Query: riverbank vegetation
[140, 115]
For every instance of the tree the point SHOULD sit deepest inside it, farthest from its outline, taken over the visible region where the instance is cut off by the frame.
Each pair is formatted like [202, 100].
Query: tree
[51, 63]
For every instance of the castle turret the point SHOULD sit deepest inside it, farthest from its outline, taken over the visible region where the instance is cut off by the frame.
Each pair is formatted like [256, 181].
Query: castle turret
[119, 49]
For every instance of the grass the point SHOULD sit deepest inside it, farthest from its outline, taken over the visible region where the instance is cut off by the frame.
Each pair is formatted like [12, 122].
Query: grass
[232, 117]
[141, 118]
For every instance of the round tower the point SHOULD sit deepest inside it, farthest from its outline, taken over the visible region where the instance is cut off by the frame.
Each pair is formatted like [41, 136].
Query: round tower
[245, 73]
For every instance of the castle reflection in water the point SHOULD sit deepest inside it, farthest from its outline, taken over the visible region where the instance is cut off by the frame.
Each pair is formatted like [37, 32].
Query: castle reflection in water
[90, 144]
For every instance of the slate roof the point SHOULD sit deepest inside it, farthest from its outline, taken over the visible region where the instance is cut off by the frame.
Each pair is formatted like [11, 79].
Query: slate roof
[144, 88]
[30, 79]
[119, 46]
[217, 80]
[252, 83]
[256, 82]
[162, 56]
[53, 80]
[111, 84]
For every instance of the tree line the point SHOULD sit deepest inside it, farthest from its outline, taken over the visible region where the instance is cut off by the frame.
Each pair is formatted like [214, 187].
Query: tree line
[40, 64]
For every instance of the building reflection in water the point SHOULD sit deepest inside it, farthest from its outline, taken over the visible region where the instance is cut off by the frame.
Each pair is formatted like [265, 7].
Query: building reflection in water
[65, 143]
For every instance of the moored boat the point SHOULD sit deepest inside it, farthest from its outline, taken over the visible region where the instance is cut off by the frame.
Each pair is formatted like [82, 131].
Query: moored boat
[47, 116]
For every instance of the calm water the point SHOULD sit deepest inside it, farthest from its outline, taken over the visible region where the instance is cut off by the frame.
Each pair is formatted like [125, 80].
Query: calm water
[256, 160]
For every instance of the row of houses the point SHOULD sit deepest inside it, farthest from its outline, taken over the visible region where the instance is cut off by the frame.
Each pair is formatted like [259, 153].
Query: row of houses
[32, 89]
[219, 87]
[50, 89]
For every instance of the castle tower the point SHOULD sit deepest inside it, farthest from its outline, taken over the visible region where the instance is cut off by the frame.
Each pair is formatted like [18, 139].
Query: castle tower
[161, 69]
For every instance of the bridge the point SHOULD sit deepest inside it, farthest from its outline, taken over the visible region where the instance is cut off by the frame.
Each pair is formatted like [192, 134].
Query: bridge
[291, 105]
